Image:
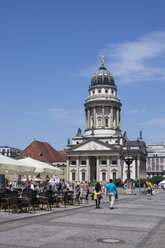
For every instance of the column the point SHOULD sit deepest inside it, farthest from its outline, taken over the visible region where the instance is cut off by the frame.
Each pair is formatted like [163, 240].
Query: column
[67, 169]
[88, 170]
[77, 169]
[118, 168]
[94, 116]
[117, 117]
[111, 117]
[88, 120]
[98, 169]
[103, 119]
[108, 169]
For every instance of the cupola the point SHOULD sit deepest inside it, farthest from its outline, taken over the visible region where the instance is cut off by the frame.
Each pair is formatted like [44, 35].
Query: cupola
[102, 76]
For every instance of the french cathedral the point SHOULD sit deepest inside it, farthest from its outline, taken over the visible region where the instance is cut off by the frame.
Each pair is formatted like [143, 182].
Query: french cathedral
[96, 155]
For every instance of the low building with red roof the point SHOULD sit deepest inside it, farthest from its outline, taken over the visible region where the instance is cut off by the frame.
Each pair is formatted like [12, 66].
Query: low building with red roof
[44, 152]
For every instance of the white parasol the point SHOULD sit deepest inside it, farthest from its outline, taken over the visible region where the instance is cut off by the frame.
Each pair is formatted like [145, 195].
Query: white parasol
[11, 166]
[42, 167]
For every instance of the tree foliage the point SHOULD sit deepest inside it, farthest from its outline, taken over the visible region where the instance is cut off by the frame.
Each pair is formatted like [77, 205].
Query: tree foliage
[118, 182]
[156, 179]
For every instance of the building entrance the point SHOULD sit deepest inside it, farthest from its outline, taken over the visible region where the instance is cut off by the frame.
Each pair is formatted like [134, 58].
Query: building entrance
[93, 174]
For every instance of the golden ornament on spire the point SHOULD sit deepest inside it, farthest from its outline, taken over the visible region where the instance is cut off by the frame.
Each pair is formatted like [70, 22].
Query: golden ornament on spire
[103, 60]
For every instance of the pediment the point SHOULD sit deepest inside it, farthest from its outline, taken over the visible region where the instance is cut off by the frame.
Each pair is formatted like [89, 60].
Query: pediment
[92, 145]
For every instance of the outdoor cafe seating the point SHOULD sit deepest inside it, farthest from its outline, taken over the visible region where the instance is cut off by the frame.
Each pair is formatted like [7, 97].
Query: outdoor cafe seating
[27, 201]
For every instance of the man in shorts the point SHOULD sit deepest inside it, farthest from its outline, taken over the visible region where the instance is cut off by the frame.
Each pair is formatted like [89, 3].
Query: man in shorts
[110, 190]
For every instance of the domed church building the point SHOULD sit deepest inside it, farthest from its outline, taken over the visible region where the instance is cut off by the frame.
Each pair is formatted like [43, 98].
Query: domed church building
[96, 155]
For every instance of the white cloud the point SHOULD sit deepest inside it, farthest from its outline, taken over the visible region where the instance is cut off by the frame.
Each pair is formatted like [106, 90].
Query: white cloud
[135, 111]
[154, 122]
[74, 117]
[141, 60]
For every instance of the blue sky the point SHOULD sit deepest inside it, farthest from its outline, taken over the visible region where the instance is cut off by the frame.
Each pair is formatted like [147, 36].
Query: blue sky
[49, 51]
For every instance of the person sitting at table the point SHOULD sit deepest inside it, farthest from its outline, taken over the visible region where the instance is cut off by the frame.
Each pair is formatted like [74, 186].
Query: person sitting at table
[60, 187]
[49, 194]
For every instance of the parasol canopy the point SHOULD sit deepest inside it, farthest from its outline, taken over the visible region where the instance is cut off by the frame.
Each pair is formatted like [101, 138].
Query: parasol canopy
[10, 166]
[42, 167]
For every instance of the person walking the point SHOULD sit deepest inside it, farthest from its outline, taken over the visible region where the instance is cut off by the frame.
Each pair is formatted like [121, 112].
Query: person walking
[110, 190]
[97, 194]
[149, 187]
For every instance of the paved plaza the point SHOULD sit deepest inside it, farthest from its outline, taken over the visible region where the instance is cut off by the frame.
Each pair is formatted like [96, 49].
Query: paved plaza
[136, 222]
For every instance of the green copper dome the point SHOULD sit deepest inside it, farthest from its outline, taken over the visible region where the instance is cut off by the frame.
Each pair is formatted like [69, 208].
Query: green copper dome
[102, 76]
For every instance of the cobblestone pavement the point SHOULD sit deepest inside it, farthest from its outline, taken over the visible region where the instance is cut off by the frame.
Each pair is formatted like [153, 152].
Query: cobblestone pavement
[136, 222]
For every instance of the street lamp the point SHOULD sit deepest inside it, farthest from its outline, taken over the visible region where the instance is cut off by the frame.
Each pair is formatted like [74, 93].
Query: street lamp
[128, 156]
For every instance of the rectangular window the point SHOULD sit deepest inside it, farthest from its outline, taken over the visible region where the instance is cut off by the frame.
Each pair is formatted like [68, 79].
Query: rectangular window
[83, 162]
[103, 176]
[153, 164]
[73, 162]
[157, 161]
[73, 176]
[106, 122]
[114, 162]
[83, 176]
[103, 162]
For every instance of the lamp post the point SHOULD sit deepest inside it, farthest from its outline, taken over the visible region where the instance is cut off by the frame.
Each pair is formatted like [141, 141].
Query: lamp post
[128, 156]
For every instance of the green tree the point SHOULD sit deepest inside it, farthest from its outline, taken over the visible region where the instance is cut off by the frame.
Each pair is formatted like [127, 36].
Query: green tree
[156, 179]
[118, 182]
[142, 182]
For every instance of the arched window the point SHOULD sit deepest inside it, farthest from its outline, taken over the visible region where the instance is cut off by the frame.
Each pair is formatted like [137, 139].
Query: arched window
[83, 176]
[103, 176]
[114, 175]
[99, 122]
[73, 176]
[106, 122]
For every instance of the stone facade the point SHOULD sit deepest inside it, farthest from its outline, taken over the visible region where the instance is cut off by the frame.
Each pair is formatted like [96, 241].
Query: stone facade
[96, 156]
[155, 160]
[9, 151]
